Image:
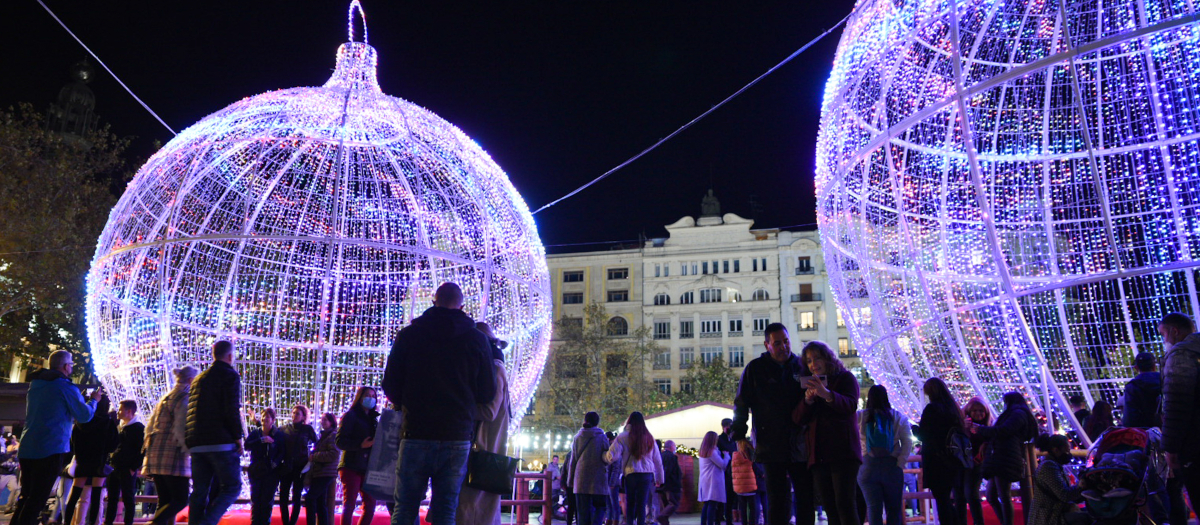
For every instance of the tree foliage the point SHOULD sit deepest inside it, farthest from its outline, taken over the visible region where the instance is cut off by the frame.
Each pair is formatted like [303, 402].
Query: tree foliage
[55, 194]
[591, 370]
[712, 381]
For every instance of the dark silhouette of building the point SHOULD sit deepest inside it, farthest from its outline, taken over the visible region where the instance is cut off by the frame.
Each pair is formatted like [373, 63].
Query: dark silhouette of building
[74, 113]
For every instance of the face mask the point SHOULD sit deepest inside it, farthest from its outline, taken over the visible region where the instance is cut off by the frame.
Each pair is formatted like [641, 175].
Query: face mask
[368, 403]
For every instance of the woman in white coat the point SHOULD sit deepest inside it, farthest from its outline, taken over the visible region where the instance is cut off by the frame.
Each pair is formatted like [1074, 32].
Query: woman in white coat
[711, 488]
[641, 466]
[476, 506]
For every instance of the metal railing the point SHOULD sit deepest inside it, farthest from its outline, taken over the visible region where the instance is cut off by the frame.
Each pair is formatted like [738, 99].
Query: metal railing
[806, 327]
[805, 271]
[806, 297]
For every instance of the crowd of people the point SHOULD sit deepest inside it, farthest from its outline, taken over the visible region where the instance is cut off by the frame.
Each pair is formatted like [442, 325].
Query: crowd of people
[809, 444]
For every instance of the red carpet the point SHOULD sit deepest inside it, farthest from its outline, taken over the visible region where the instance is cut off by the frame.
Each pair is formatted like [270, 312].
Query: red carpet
[989, 516]
[242, 517]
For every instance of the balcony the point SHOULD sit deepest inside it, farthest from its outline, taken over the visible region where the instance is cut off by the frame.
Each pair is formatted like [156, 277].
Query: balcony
[659, 335]
[685, 365]
[709, 335]
[757, 333]
[658, 365]
[806, 298]
[806, 327]
[735, 334]
[805, 270]
[687, 335]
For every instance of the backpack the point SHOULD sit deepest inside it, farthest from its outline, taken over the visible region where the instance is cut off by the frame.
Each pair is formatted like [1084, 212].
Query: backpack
[958, 448]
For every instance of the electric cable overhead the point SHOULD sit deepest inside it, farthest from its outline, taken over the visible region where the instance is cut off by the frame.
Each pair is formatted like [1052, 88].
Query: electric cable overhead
[699, 118]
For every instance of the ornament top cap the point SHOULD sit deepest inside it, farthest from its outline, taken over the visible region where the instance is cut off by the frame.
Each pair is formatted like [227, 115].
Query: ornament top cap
[356, 61]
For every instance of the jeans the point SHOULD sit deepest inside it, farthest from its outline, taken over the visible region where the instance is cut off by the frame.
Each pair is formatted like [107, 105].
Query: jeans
[999, 496]
[748, 508]
[225, 468]
[779, 493]
[614, 503]
[882, 482]
[711, 515]
[172, 498]
[316, 504]
[590, 508]
[291, 485]
[37, 480]
[422, 463]
[973, 479]
[670, 502]
[263, 487]
[352, 483]
[639, 486]
[837, 484]
[120, 490]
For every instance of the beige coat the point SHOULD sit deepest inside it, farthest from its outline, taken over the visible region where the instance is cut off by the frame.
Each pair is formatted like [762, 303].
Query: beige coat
[474, 506]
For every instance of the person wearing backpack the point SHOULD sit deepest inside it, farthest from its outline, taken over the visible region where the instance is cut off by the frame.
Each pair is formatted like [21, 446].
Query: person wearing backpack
[886, 440]
[942, 456]
[1005, 461]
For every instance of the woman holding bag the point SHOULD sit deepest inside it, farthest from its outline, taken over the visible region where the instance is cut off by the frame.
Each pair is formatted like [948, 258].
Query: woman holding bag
[641, 465]
[588, 475]
[476, 506]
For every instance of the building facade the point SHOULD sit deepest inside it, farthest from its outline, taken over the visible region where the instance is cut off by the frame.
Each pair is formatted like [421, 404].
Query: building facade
[707, 290]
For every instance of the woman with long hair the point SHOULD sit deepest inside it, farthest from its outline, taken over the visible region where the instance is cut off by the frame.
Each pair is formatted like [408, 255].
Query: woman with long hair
[711, 489]
[1100, 420]
[886, 441]
[167, 461]
[1055, 500]
[1004, 462]
[355, 437]
[977, 413]
[92, 442]
[828, 412]
[318, 502]
[641, 466]
[943, 473]
[268, 463]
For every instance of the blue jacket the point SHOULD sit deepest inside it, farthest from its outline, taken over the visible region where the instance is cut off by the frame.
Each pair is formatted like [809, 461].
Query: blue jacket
[54, 404]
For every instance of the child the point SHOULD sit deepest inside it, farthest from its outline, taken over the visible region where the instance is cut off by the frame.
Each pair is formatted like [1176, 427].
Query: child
[745, 483]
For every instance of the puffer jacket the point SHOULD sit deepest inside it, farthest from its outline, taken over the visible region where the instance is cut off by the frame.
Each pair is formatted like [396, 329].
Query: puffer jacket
[743, 474]
[1005, 458]
[214, 414]
[770, 391]
[325, 456]
[356, 425]
[53, 404]
[1181, 417]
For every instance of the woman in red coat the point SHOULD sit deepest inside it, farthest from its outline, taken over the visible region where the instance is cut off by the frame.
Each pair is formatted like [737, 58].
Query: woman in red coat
[827, 413]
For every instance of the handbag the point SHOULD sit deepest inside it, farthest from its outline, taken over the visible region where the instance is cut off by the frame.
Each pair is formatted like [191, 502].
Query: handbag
[489, 471]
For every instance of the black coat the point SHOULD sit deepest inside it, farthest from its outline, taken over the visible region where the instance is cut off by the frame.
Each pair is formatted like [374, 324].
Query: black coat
[267, 458]
[92, 442]
[672, 474]
[439, 369]
[770, 390]
[941, 471]
[356, 425]
[214, 415]
[1142, 397]
[128, 455]
[1005, 458]
[300, 440]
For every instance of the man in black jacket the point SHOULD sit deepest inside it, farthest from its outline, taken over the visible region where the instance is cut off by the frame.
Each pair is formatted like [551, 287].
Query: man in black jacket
[214, 435]
[671, 490]
[439, 369]
[126, 460]
[771, 388]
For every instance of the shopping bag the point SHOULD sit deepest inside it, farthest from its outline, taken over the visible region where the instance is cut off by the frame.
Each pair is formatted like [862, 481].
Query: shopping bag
[380, 482]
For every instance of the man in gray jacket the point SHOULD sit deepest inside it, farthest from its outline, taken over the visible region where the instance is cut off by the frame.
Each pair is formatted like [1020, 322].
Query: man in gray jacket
[1181, 401]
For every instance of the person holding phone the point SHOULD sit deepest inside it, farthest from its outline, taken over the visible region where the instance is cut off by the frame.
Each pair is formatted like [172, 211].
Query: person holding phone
[828, 412]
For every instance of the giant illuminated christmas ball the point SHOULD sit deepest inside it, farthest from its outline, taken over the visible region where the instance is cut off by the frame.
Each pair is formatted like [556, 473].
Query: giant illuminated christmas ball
[1008, 191]
[308, 226]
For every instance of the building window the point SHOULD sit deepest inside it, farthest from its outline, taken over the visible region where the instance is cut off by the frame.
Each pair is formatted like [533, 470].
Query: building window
[708, 354]
[685, 386]
[667, 270]
[760, 295]
[662, 299]
[686, 298]
[724, 266]
[573, 298]
[844, 349]
[710, 328]
[737, 357]
[808, 320]
[573, 277]
[618, 296]
[694, 269]
[686, 356]
[663, 386]
[754, 263]
[735, 296]
[616, 274]
[705, 267]
[662, 329]
[841, 322]
[737, 265]
[764, 263]
[571, 323]
[687, 329]
[760, 325]
[657, 270]
[710, 295]
[735, 327]
[618, 326]
[683, 269]
[662, 360]
[804, 266]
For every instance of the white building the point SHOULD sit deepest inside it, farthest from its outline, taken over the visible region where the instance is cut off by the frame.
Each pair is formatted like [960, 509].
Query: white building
[708, 289]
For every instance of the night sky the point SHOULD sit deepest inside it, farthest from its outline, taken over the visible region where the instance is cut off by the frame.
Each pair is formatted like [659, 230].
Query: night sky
[556, 92]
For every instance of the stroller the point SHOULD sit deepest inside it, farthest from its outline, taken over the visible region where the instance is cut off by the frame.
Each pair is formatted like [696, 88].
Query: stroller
[1124, 477]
